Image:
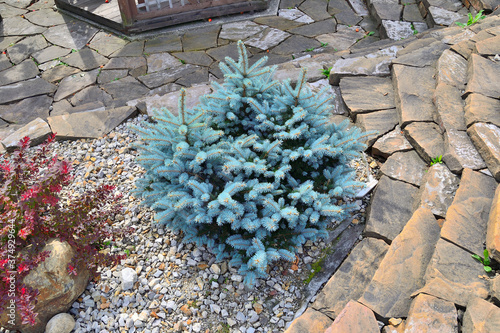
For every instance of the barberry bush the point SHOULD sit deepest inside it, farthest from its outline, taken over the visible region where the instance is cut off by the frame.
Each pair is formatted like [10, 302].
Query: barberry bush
[32, 212]
[254, 171]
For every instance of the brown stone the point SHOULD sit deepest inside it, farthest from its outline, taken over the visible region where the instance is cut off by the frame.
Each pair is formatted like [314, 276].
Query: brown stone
[481, 316]
[460, 153]
[74, 83]
[381, 121]
[354, 318]
[365, 94]
[37, 130]
[490, 46]
[453, 275]
[450, 107]
[405, 166]
[360, 66]
[401, 271]
[452, 69]
[493, 230]
[495, 289]
[414, 89]
[431, 314]
[483, 76]
[481, 109]
[422, 57]
[464, 48]
[394, 329]
[486, 138]
[352, 277]
[426, 138]
[390, 143]
[310, 321]
[475, 185]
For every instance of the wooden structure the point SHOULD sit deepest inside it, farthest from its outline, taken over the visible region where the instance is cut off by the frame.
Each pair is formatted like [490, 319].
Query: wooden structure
[134, 16]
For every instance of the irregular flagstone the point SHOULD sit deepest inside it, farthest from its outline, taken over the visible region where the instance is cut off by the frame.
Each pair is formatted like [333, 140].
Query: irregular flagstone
[157, 79]
[92, 124]
[450, 108]
[422, 57]
[352, 277]
[127, 87]
[37, 130]
[490, 46]
[360, 66]
[484, 76]
[198, 76]
[4, 62]
[310, 321]
[59, 72]
[451, 5]
[381, 121]
[9, 11]
[442, 16]
[193, 40]
[240, 30]
[354, 318]
[220, 53]
[454, 275]
[466, 224]
[25, 89]
[486, 138]
[389, 209]
[71, 36]
[42, 4]
[92, 93]
[47, 17]
[365, 94]
[401, 271]
[278, 22]
[464, 48]
[385, 9]
[416, 45]
[493, 233]
[5, 42]
[414, 89]
[132, 49]
[50, 53]
[169, 43]
[481, 109]
[74, 83]
[161, 61]
[359, 7]
[495, 289]
[343, 13]
[64, 108]
[125, 63]
[426, 138]
[411, 13]
[195, 58]
[481, 316]
[17, 26]
[26, 110]
[475, 184]
[85, 59]
[406, 167]
[452, 69]
[106, 43]
[463, 35]
[106, 76]
[390, 143]
[431, 314]
[342, 39]
[316, 28]
[23, 71]
[25, 48]
[268, 38]
[316, 9]
[18, 3]
[460, 153]
[396, 30]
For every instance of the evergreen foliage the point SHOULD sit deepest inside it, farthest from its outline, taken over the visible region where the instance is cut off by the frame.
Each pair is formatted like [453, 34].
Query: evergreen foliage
[254, 171]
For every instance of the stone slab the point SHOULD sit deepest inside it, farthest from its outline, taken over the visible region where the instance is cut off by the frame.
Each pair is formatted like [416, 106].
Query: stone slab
[192, 40]
[352, 277]
[360, 66]
[277, 22]
[71, 36]
[450, 108]
[381, 121]
[488, 47]
[411, 13]
[481, 316]
[475, 184]
[127, 87]
[396, 30]
[315, 9]
[495, 289]
[74, 83]
[390, 143]
[37, 130]
[426, 138]
[199, 58]
[5, 42]
[390, 208]
[23, 71]
[9, 11]
[431, 314]
[161, 61]
[17, 26]
[160, 78]
[493, 232]
[483, 76]
[267, 39]
[401, 271]
[85, 59]
[24, 89]
[316, 28]
[486, 138]
[18, 3]
[354, 317]
[193, 77]
[460, 153]
[405, 166]
[125, 63]
[454, 275]
[481, 109]
[92, 124]
[295, 15]
[23, 49]
[310, 321]
[47, 17]
[452, 69]
[240, 30]
[220, 53]
[425, 56]
[132, 49]
[169, 43]
[59, 72]
[50, 53]
[93, 94]
[4, 62]
[26, 110]
[106, 76]
[414, 89]
[444, 17]
[105, 43]
[365, 94]
[342, 39]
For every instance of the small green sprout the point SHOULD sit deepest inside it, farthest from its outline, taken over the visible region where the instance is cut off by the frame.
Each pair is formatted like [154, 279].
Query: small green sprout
[437, 160]
[479, 16]
[324, 44]
[326, 72]
[415, 31]
[127, 252]
[182, 61]
[74, 51]
[310, 50]
[371, 33]
[485, 261]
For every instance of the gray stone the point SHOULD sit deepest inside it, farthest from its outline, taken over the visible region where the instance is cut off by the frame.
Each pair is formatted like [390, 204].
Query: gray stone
[195, 58]
[464, 48]
[169, 43]
[385, 10]
[268, 38]
[239, 30]
[132, 49]
[316, 9]
[91, 94]
[4, 62]
[220, 53]
[47, 17]
[277, 22]
[464, 35]
[9, 11]
[342, 39]
[18, 3]
[60, 323]
[452, 69]
[460, 153]
[125, 63]
[488, 47]
[343, 13]
[354, 318]
[359, 7]
[85, 59]
[481, 316]
[481, 109]
[425, 56]
[475, 184]
[23, 71]
[127, 87]
[50, 53]
[442, 16]
[414, 89]
[453, 275]
[486, 138]
[128, 278]
[59, 72]
[381, 122]
[315, 29]
[192, 77]
[106, 76]
[411, 13]
[406, 167]
[493, 239]
[90, 124]
[25, 48]
[20, 90]
[451, 5]
[396, 30]
[431, 314]
[42, 4]
[484, 76]
[106, 44]
[295, 15]
[166, 76]
[401, 271]
[170, 101]
[26, 110]
[365, 94]
[71, 36]
[390, 143]
[37, 130]
[495, 288]
[450, 108]
[426, 138]
[390, 208]
[352, 277]
[192, 40]
[74, 83]
[64, 108]
[161, 61]
[17, 26]
[360, 66]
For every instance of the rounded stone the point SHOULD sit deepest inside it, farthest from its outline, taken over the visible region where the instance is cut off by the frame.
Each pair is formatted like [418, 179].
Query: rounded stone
[60, 323]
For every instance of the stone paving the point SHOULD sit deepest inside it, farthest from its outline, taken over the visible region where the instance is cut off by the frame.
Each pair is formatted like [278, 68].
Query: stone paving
[430, 94]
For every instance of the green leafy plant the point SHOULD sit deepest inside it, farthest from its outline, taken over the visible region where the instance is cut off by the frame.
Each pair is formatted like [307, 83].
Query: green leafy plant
[479, 16]
[74, 51]
[371, 33]
[326, 72]
[127, 252]
[415, 31]
[485, 261]
[324, 44]
[437, 160]
[310, 50]
[182, 61]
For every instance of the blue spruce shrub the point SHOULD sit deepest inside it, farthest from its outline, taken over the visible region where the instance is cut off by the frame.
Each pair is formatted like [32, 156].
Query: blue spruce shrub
[254, 171]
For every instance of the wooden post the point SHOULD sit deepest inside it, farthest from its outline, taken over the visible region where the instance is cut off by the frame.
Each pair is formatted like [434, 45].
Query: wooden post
[128, 11]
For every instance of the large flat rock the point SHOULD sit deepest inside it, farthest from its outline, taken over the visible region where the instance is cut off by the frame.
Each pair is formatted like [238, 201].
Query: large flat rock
[405, 166]
[401, 271]
[23, 71]
[381, 122]
[58, 73]
[93, 124]
[132, 49]
[23, 49]
[444, 17]
[365, 94]
[26, 110]
[24, 89]
[460, 153]
[239, 30]
[486, 138]
[161, 78]
[493, 231]
[352, 277]
[425, 56]
[125, 63]
[316, 9]
[343, 13]
[481, 316]
[454, 275]
[47, 17]
[488, 47]
[93, 94]
[127, 87]
[310, 321]
[475, 184]
[342, 39]
[37, 130]
[316, 28]
[71, 36]
[161, 61]
[450, 108]
[396, 30]
[74, 83]
[483, 76]
[168, 43]
[85, 59]
[106, 43]
[354, 317]
[414, 89]
[426, 138]
[50, 53]
[360, 66]
[294, 44]
[199, 58]
[390, 208]
[390, 143]
[193, 40]
[278, 22]
[481, 109]
[431, 314]
[452, 69]
[17, 26]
